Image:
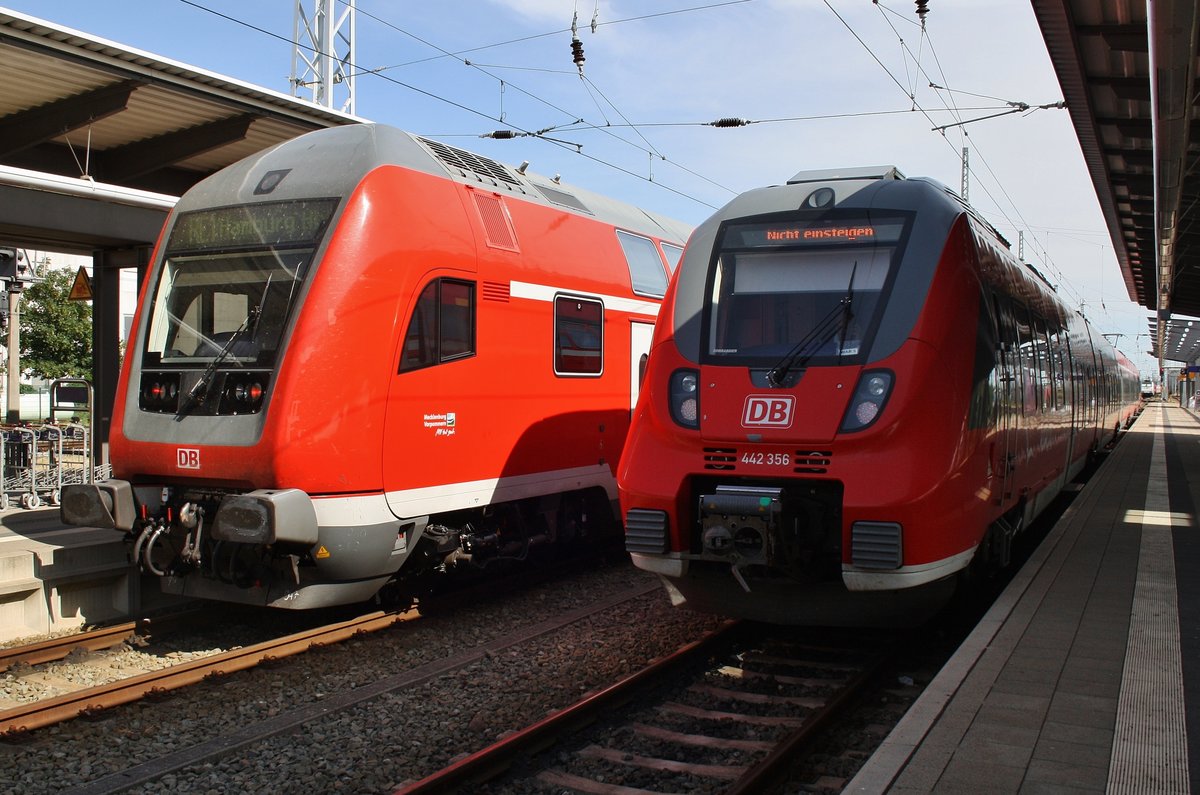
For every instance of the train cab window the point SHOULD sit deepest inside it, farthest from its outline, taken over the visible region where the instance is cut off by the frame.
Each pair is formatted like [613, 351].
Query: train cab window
[645, 264]
[442, 327]
[230, 280]
[578, 336]
[237, 303]
[764, 304]
[802, 289]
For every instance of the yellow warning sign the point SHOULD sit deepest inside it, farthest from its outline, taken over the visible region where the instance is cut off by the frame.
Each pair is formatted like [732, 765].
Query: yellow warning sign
[81, 289]
[322, 552]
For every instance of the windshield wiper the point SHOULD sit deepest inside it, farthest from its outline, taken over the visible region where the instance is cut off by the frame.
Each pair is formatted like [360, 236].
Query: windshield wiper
[837, 320]
[196, 394]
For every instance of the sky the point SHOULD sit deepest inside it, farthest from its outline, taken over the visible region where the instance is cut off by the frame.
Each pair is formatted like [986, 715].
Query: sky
[825, 83]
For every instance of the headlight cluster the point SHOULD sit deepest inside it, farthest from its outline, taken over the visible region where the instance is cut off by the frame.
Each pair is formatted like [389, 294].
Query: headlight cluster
[685, 398]
[870, 396]
[231, 393]
[243, 393]
[159, 392]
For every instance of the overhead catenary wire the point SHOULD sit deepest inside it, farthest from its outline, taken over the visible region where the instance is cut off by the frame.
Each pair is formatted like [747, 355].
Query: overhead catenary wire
[961, 122]
[475, 111]
[729, 122]
[610, 126]
[1045, 259]
[605, 128]
[534, 133]
[595, 25]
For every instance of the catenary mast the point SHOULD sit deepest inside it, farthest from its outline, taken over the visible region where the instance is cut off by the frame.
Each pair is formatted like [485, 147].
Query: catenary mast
[323, 53]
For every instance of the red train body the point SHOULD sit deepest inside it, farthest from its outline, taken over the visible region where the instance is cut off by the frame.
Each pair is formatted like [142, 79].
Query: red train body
[361, 349]
[855, 392]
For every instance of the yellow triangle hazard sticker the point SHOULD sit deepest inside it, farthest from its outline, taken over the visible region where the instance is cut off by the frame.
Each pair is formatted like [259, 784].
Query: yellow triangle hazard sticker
[81, 289]
[322, 552]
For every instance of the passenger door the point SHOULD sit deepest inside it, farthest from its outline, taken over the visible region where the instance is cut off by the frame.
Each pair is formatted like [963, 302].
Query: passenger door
[640, 335]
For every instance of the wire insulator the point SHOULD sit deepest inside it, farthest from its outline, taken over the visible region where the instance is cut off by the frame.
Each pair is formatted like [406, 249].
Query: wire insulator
[922, 10]
[577, 53]
[728, 122]
[501, 135]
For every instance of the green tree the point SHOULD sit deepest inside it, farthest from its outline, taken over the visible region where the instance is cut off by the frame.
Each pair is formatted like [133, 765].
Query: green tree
[56, 333]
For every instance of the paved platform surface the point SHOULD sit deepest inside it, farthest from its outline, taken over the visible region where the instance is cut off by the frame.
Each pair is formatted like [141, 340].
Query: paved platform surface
[1085, 674]
[54, 577]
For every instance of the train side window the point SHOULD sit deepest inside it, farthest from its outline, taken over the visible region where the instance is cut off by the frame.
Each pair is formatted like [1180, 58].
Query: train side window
[578, 336]
[1030, 386]
[1014, 377]
[673, 254]
[645, 264]
[1045, 369]
[1058, 347]
[442, 327]
[456, 330]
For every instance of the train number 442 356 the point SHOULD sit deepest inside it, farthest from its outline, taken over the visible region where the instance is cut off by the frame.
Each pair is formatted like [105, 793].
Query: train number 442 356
[761, 459]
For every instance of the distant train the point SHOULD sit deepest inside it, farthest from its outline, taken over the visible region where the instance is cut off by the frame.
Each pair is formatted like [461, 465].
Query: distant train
[363, 355]
[855, 392]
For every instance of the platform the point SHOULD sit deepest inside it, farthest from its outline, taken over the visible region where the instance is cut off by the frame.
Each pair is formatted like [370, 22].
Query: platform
[54, 577]
[1085, 674]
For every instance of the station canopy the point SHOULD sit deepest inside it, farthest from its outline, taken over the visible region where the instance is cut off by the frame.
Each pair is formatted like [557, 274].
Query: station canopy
[84, 118]
[1128, 70]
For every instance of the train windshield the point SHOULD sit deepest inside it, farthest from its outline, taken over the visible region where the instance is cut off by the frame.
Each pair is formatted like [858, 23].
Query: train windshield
[230, 279]
[810, 291]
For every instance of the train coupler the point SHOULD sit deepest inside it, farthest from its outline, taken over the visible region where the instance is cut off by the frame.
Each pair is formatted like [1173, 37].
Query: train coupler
[737, 522]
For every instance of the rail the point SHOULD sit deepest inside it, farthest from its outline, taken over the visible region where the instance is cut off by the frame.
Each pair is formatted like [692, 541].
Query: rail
[765, 763]
[489, 761]
[16, 721]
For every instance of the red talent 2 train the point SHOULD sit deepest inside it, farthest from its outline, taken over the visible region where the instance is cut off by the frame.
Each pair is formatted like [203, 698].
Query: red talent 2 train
[855, 393]
[363, 354]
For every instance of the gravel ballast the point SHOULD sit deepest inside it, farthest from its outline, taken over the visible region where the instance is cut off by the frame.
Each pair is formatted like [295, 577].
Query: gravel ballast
[376, 743]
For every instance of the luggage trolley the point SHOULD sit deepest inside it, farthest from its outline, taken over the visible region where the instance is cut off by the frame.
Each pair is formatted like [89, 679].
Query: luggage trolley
[20, 451]
[47, 467]
[76, 456]
[62, 452]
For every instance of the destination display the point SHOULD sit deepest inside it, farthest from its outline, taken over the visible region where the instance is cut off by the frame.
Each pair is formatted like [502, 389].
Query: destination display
[821, 232]
[252, 225]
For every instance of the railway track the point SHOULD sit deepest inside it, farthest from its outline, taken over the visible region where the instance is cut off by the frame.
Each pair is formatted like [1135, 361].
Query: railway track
[238, 738]
[43, 710]
[18, 720]
[729, 713]
[59, 648]
[97, 639]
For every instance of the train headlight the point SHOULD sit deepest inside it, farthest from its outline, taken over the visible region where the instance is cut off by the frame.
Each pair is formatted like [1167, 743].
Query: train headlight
[266, 516]
[870, 396]
[685, 398]
[877, 385]
[107, 503]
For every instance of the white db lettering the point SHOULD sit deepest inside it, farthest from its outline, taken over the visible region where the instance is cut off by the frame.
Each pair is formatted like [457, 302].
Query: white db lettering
[769, 411]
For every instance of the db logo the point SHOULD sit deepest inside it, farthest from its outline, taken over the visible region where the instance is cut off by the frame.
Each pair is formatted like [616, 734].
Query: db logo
[187, 458]
[768, 411]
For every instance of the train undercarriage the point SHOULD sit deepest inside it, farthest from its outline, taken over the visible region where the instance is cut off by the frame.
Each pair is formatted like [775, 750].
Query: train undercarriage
[267, 547]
